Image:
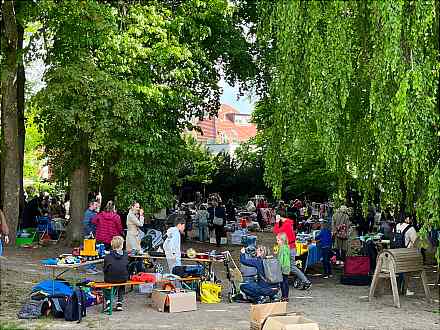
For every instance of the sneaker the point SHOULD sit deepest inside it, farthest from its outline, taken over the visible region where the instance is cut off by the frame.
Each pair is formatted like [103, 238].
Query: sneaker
[409, 293]
[285, 299]
[107, 306]
[92, 271]
[307, 286]
[262, 300]
[325, 276]
[119, 307]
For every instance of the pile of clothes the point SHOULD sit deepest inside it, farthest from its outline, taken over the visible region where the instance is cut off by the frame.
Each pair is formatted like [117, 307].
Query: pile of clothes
[59, 298]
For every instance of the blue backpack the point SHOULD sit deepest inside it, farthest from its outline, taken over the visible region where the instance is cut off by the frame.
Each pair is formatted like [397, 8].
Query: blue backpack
[75, 308]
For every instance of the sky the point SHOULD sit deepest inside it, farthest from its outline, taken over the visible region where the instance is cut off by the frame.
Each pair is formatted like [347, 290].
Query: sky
[244, 105]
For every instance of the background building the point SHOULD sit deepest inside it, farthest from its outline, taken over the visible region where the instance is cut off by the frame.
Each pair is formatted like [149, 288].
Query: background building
[225, 132]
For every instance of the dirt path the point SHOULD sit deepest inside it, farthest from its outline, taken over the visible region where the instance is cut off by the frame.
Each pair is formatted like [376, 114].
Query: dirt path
[332, 305]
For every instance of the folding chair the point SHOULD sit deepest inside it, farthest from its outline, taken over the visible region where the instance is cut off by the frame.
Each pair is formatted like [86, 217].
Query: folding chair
[43, 227]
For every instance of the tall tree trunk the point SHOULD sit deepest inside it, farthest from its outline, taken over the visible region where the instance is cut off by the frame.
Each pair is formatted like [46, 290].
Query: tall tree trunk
[21, 79]
[10, 153]
[78, 201]
[109, 181]
[79, 184]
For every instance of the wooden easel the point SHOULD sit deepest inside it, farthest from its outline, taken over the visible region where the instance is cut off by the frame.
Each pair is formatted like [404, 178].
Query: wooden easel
[395, 261]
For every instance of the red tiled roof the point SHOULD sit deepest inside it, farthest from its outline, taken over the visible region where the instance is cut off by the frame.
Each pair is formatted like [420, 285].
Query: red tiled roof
[223, 129]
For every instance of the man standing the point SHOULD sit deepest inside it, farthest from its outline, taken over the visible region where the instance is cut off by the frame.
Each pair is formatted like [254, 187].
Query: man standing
[171, 245]
[4, 231]
[89, 214]
[90, 229]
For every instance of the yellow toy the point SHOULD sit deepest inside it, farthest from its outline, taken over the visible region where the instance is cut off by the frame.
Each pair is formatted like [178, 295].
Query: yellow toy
[89, 248]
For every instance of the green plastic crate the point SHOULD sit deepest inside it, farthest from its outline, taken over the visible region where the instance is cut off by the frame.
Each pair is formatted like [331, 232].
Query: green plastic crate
[20, 241]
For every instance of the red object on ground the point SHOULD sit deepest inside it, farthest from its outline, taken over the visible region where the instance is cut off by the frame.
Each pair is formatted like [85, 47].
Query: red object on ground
[357, 265]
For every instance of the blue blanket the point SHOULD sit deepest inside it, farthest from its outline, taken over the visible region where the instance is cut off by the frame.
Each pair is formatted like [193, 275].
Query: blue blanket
[55, 288]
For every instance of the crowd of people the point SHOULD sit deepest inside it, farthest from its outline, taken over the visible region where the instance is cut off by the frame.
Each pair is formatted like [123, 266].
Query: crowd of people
[211, 216]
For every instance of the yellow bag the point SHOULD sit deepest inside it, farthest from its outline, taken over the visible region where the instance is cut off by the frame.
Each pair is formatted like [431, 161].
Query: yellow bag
[210, 293]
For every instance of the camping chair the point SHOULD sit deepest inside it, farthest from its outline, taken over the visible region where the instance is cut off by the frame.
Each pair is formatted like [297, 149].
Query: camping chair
[58, 227]
[43, 227]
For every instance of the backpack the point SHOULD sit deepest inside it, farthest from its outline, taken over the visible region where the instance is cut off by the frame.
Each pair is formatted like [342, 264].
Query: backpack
[272, 271]
[75, 308]
[398, 240]
[342, 231]
[57, 306]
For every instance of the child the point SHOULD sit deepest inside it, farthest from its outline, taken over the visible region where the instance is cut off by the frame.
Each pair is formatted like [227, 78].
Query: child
[325, 242]
[115, 270]
[284, 259]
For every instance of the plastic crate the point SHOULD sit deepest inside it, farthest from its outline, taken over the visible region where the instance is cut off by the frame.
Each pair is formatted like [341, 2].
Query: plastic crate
[20, 241]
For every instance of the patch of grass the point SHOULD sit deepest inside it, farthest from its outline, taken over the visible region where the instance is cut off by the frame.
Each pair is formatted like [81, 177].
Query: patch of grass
[10, 326]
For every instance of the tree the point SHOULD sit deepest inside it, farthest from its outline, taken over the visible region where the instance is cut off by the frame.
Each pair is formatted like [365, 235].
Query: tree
[125, 79]
[9, 117]
[360, 78]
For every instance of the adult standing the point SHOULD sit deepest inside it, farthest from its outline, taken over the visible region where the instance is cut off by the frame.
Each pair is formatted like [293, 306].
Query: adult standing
[285, 225]
[408, 235]
[217, 216]
[230, 210]
[171, 245]
[340, 230]
[89, 215]
[108, 225]
[135, 220]
[4, 232]
[201, 218]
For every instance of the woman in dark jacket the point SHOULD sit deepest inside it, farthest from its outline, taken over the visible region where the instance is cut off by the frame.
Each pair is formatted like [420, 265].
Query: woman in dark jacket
[217, 217]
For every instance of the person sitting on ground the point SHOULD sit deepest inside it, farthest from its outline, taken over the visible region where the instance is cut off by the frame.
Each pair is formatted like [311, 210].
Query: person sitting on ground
[259, 292]
[116, 270]
[284, 259]
[171, 245]
[108, 225]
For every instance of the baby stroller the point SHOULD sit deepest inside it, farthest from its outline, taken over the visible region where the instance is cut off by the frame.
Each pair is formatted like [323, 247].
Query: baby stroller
[152, 240]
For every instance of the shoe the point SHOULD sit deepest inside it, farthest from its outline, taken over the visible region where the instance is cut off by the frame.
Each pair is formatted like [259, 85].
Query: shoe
[119, 307]
[325, 276]
[285, 299]
[307, 286]
[409, 293]
[107, 306]
[262, 300]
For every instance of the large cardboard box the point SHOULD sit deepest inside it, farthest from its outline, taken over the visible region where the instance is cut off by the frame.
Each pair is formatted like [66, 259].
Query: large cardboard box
[174, 302]
[289, 322]
[260, 312]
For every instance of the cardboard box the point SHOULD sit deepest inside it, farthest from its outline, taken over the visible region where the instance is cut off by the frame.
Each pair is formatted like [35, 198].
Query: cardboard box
[174, 302]
[260, 312]
[289, 322]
